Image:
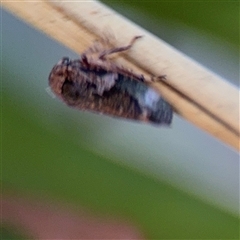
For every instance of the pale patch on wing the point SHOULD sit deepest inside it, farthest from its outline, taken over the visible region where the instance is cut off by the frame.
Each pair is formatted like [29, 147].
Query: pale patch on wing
[151, 99]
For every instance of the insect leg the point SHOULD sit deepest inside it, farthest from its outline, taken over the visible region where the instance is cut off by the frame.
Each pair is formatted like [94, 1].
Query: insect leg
[118, 49]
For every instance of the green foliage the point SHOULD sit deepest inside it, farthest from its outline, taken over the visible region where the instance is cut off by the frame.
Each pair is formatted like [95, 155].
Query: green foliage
[9, 232]
[219, 18]
[36, 161]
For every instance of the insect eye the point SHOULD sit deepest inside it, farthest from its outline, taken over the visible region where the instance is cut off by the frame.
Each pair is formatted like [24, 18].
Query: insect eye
[65, 61]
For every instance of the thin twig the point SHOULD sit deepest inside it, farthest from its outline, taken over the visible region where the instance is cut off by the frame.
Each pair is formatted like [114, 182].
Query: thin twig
[197, 94]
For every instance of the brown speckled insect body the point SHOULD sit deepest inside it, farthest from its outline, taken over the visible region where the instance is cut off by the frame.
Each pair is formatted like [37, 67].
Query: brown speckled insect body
[101, 86]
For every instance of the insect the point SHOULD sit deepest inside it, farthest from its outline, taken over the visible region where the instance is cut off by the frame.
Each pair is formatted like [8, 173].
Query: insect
[99, 85]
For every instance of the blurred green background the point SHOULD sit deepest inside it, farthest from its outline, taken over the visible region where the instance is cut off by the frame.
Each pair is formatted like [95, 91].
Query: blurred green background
[176, 183]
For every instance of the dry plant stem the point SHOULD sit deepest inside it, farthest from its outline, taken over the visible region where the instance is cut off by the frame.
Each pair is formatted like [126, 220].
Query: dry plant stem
[197, 94]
